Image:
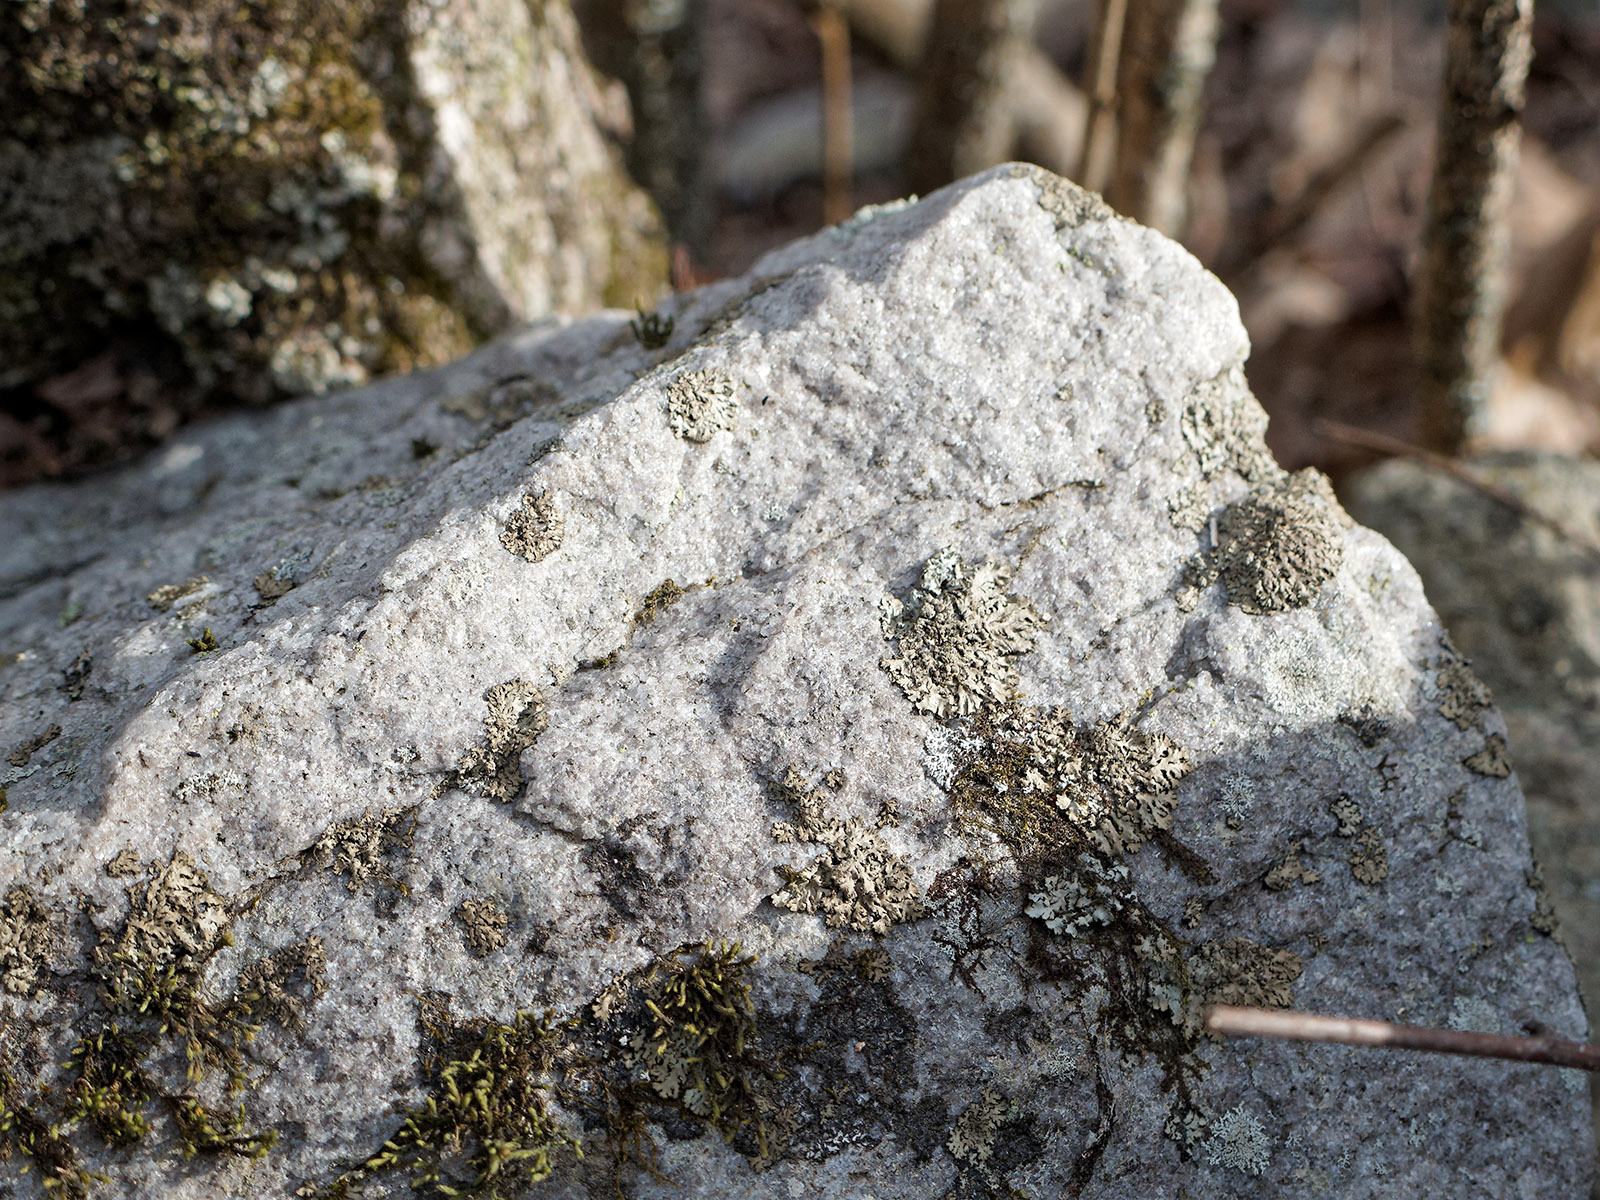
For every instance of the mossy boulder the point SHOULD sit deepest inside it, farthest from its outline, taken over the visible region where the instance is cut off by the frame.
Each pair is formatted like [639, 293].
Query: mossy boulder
[224, 202]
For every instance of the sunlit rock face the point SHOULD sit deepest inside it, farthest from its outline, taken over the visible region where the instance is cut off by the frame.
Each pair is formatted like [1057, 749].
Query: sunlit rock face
[832, 747]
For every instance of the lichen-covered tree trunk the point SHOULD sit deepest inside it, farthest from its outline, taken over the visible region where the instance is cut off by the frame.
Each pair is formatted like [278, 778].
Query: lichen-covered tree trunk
[964, 121]
[221, 201]
[1462, 291]
[1167, 51]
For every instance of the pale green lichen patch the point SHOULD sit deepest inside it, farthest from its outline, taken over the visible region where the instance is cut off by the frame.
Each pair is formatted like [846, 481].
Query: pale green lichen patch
[516, 719]
[359, 846]
[483, 925]
[1239, 1141]
[1494, 760]
[26, 941]
[957, 634]
[1094, 893]
[488, 1115]
[700, 404]
[857, 882]
[27, 748]
[1278, 546]
[971, 1140]
[536, 529]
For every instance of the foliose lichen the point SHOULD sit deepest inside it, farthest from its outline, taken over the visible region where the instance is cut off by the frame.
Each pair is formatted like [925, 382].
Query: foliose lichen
[1290, 871]
[516, 719]
[972, 1138]
[1093, 894]
[267, 988]
[1238, 1140]
[857, 882]
[957, 635]
[359, 845]
[536, 529]
[700, 404]
[1279, 545]
[1369, 861]
[1494, 760]
[483, 925]
[26, 940]
[1236, 970]
[1463, 697]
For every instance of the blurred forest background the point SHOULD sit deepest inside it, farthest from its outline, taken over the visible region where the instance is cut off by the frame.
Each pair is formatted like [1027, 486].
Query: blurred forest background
[1306, 191]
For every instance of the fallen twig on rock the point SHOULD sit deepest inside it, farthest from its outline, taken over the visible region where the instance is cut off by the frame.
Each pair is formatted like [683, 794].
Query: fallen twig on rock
[1350, 1031]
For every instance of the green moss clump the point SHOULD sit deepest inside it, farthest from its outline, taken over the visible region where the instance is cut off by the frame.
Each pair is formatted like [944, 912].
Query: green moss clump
[205, 643]
[491, 1102]
[23, 1131]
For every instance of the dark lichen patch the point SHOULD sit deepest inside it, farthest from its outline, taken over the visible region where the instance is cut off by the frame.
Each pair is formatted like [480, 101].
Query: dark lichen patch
[272, 586]
[871, 964]
[483, 925]
[1290, 870]
[206, 643]
[280, 986]
[616, 869]
[28, 747]
[516, 719]
[1463, 697]
[1368, 727]
[1066, 202]
[536, 529]
[359, 846]
[76, 676]
[487, 1128]
[26, 941]
[1238, 971]
[957, 635]
[1494, 760]
[1369, 861]
[858, 882]
[700, 404]
[164, 597]
[1279, 545]
[661, 597]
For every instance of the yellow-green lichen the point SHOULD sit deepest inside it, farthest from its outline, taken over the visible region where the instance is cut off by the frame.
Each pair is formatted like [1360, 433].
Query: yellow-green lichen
[1236, 970]
[971, 1140]
[164, 597]
[956, 636]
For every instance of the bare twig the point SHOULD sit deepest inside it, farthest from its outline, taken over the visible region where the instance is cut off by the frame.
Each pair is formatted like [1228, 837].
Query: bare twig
[1167, 51]
[1462, 289]
[838, 125]
[1349, 1031]
[1384, 444]
[1100, 126]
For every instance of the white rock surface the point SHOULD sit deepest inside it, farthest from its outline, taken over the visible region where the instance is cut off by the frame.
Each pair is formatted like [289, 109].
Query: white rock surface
[1001, 372]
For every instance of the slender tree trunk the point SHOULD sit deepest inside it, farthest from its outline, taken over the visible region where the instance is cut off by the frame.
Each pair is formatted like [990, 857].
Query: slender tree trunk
[964, 121]
[1167, 51]
[1462, 290]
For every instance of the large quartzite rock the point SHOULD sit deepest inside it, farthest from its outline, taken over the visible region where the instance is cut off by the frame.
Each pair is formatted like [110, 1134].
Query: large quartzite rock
[831, 747]
[219, 200]
[1524, 602]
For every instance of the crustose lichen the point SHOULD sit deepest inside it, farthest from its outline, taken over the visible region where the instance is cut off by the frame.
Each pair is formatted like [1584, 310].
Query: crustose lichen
[957, 633]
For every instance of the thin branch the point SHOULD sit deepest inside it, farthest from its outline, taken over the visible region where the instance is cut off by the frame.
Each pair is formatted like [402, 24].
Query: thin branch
[1461, 291]
[1384, 444]
[1349, 1031]
[838, 124]
[1100, 125]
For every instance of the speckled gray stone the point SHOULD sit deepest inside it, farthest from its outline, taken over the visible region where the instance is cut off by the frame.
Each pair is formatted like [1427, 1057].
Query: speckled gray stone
[981, 437]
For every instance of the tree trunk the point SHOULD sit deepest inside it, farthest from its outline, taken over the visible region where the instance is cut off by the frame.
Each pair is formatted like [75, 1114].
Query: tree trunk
[1461, 292]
